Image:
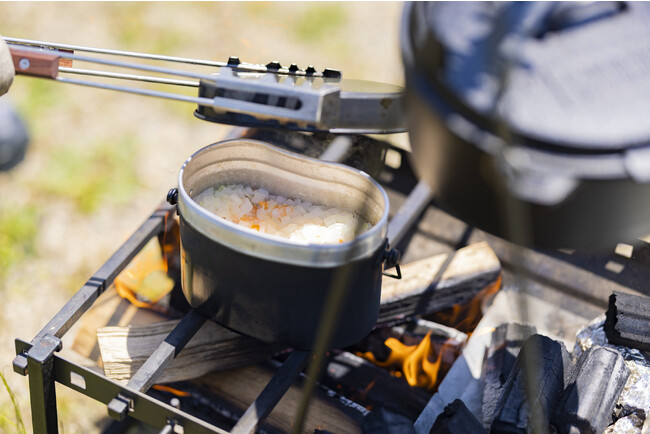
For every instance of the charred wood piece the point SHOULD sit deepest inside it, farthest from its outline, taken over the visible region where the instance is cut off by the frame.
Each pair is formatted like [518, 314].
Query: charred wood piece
[587, 404]
[533, 387]
[628, 320]
[437, 283]
[409, 334]
[507, 340]
[371, 386]
[456, 418]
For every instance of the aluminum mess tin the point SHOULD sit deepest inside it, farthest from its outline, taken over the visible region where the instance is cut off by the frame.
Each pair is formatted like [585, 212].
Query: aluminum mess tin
[267, 287]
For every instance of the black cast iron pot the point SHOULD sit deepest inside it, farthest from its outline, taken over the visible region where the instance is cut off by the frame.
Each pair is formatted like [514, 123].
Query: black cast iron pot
[271, 288]
[530, 119]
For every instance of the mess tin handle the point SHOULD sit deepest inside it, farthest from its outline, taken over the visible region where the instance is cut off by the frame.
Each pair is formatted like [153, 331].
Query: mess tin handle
[172, 198]
[390, 258]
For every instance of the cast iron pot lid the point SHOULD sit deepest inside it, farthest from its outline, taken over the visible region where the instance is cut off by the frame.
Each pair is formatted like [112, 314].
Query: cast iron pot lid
[564, 77]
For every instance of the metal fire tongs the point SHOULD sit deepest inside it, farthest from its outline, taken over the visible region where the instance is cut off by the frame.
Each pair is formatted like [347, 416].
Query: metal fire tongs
[240, 94]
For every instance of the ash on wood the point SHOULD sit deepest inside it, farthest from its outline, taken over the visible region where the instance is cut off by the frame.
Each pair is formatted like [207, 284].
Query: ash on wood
[125, 349]
[628, 320]
[533, 387]
[507, 340]
[595, 384]
[456, 418]
[439, 282]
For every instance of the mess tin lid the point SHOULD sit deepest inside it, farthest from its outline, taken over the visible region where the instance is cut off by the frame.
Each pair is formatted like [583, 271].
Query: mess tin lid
[303, 103]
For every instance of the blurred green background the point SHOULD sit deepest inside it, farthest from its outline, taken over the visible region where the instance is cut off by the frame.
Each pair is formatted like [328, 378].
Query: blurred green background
[99, 161]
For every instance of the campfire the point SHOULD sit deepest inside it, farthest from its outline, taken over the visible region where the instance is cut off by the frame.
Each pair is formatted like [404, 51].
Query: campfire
[415, 354]
[449, 352]
[404, 318]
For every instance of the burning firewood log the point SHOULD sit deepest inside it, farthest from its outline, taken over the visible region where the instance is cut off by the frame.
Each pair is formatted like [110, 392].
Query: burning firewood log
[372, 386]
[125, 349]
[439, 282]
[595, 384]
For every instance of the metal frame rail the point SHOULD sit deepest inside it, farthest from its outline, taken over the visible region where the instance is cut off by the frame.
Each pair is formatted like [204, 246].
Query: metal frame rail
[38, 358]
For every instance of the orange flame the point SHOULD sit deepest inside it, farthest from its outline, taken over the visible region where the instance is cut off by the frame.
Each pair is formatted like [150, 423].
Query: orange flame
[145, 276]
[414, 360]
[171, 390]
[466, 317]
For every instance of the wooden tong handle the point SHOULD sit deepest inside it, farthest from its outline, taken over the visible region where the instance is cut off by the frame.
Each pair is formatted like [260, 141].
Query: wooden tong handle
[37, 64]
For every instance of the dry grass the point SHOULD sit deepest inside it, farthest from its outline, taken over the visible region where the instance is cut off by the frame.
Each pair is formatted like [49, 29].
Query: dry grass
[100, 162]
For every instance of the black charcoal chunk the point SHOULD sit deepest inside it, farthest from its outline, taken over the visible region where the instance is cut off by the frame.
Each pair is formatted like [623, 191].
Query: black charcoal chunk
[456, 418]
[385, 420]
[507, 340]
[587, 403]
[533, 387]
[628, 320]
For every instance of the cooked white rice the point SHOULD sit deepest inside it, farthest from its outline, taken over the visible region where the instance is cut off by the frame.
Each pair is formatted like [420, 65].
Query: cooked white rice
[297, 220]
